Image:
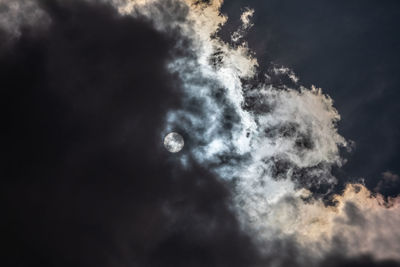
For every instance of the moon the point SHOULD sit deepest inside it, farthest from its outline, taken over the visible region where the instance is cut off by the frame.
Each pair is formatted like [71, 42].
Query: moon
[174, 142]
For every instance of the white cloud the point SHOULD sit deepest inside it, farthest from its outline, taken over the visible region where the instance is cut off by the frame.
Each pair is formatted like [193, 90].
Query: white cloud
[281, 131]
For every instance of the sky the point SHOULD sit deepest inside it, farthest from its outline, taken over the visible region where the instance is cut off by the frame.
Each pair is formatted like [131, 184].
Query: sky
[289, 116]
[349, 49]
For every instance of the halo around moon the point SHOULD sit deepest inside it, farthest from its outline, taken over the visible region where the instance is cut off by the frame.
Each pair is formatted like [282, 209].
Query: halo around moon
[174, 142]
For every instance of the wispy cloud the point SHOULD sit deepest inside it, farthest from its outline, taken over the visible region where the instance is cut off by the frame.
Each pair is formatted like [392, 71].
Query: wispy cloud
[275, 142]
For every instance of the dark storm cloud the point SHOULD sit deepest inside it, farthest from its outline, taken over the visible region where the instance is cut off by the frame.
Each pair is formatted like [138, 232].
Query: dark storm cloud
[85, 179]
[363, 261]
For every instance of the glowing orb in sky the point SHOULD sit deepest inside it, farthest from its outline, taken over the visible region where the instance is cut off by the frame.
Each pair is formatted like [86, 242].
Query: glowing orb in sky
[173, 142]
